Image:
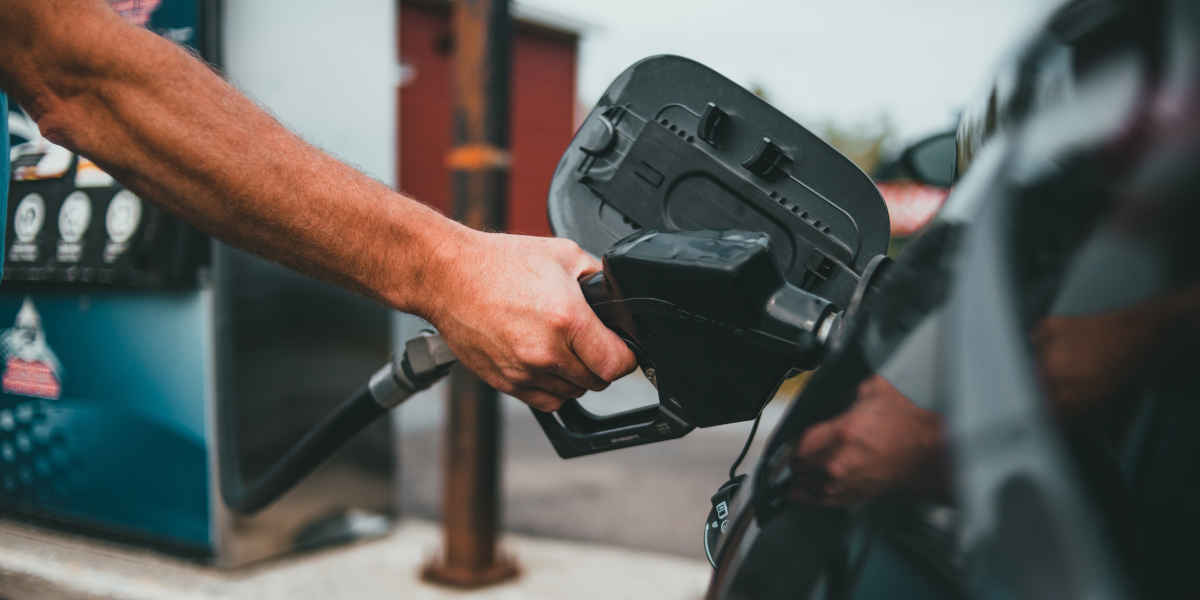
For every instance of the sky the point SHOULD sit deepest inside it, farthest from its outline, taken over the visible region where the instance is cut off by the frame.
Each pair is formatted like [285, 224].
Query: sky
[849, 61]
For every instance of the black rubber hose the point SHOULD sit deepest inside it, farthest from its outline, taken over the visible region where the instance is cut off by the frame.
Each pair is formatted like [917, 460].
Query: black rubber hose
[317, 445]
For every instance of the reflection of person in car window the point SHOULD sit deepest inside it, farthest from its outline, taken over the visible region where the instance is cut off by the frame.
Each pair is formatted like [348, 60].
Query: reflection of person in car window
[176, 134]
[1091, 368]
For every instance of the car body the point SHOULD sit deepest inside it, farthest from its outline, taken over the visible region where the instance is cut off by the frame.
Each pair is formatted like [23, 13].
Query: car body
[1077, 172]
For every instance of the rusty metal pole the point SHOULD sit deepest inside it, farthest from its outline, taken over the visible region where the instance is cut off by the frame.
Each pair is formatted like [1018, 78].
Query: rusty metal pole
[479, 171]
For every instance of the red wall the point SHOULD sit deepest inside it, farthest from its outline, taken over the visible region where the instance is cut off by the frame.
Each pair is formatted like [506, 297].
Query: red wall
[543, 104]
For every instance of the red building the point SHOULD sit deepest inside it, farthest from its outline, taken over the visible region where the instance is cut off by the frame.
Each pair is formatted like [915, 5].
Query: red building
[543, 107]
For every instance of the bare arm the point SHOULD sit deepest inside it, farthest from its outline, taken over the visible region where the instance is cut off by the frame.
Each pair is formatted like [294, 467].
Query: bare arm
[168, 128]
[1091, 367]
[173, 131]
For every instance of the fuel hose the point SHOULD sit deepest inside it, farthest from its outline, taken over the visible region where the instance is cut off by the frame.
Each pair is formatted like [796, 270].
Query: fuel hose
[425, 360]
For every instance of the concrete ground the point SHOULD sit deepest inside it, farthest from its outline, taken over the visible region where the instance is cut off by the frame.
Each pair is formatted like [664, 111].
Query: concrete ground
[623, 524]
[653, 497]
[40, 565]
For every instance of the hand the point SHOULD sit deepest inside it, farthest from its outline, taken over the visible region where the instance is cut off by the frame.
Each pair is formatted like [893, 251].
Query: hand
[882, 442]
[511, 309]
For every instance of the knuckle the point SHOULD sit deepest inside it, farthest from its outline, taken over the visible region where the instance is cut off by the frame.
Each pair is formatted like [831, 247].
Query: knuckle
[529, 355]
[616, 363]
[541, 360]
[848, 429]
[525, 378]
[608, 370]
[853, 431]
[560, 319]
[837, 469]
[515, 378]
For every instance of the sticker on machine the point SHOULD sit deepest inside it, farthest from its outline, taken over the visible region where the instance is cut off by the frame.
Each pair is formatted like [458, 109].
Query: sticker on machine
[30, 366]
[27, 224]
[122, 218]
[39, 159]
[88, 175]
[73, 220]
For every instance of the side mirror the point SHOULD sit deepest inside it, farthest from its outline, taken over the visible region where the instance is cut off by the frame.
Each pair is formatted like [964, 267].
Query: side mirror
[932, 160]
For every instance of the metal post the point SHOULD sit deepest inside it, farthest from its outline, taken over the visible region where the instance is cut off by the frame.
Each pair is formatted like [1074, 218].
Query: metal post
[479, 172]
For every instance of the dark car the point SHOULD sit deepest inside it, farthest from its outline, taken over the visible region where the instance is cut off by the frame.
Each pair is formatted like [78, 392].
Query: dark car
[1050, 315]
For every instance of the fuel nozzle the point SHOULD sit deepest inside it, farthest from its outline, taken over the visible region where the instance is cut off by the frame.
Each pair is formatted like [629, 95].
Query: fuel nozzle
[426, 359]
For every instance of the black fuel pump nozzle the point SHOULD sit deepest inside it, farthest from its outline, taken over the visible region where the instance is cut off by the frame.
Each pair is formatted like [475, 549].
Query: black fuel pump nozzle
[714, 326]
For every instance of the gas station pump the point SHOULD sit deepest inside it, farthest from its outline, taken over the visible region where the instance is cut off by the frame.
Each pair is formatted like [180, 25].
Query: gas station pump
[143, 363]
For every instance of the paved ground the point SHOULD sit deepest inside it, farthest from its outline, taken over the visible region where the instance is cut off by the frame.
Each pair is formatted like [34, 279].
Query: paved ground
[40, 565]
[652, 497]
[633, 516]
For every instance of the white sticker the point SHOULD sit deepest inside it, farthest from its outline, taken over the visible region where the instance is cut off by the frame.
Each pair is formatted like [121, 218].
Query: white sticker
[39, 159]
[73, 220]
[123, 216]
[122, 219]
[88, 175]
[74, 217]
[27, 224]
[30, 216]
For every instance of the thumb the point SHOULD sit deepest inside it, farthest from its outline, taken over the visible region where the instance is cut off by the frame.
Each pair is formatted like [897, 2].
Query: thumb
[601, 350]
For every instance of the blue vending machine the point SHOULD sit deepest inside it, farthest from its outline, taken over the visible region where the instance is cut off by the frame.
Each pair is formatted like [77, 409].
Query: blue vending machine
[145, 365]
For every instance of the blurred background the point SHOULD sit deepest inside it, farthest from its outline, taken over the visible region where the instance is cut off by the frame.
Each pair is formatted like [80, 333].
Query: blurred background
[869, 77]
[370, 82]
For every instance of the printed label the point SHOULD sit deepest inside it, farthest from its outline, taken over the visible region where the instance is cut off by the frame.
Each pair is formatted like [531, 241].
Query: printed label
[30, 366]
[27, 224]
[88, 175]
[73, 220]
[121, 221]
[39, 159]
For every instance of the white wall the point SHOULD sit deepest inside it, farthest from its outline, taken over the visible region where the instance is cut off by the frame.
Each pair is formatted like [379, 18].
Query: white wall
[327, 70]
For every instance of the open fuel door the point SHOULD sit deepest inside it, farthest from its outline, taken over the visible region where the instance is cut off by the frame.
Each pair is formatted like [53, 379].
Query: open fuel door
[742, 238]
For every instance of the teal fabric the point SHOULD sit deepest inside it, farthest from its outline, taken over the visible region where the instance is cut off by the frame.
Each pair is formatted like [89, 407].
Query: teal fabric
[4, 162]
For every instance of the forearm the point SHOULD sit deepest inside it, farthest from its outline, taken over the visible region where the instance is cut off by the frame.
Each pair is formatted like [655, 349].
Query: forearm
[167, 127]
[170, 129]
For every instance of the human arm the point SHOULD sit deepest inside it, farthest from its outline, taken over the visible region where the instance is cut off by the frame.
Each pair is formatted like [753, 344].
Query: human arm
[883, 443]
[1088, 364]
[174, 132]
